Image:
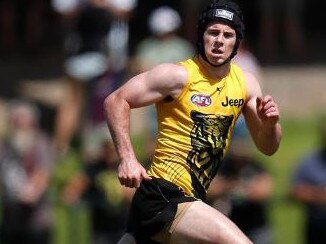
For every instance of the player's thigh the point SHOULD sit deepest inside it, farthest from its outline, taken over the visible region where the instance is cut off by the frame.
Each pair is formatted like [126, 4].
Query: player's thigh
[127, 239]
[203, 224]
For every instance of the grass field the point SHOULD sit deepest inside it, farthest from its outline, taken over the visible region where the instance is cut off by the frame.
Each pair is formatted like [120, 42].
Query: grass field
[287, 219]
[286, 216]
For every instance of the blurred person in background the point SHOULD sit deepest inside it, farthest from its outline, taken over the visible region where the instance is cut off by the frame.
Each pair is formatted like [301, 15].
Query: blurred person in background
[96, 33]
[281, 19]
[26, 164]
[164, 23]
[92, 70]
[242, 190]
[309, 188]
[198, 102]
[97, 184]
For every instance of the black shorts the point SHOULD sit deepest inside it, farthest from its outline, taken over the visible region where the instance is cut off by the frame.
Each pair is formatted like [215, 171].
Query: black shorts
[154, 205]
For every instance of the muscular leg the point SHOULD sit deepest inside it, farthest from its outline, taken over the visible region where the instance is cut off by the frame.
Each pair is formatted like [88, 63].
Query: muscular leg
[203, 224]
[127, 239]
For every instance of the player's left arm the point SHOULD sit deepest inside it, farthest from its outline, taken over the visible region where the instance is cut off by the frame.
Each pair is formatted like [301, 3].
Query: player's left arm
[262, 117]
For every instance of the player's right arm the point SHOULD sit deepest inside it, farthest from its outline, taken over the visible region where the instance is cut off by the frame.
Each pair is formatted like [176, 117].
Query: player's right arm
[144, 89]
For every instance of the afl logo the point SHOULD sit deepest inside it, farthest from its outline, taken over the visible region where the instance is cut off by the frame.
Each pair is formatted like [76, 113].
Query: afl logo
[201, 100]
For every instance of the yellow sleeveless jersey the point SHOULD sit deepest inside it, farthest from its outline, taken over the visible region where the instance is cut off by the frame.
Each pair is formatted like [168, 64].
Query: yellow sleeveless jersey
[194, 130]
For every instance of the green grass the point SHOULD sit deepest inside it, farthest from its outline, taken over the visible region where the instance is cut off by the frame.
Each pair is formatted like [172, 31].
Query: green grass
[287, 219]
[71, 224]
[286, 216]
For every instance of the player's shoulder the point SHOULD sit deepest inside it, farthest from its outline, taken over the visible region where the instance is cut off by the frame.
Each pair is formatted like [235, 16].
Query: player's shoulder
[252, 84]
[169, 68]
[170, 72]
[249, 76]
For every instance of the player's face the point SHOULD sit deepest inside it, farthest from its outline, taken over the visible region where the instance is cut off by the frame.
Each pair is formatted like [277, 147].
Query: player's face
[219, 41]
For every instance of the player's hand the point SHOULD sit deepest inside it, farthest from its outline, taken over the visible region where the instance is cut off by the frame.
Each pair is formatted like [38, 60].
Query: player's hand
[267, 110]
[131, 173]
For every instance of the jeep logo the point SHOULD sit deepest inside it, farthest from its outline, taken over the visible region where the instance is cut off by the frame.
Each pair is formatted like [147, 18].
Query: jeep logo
[233, 102]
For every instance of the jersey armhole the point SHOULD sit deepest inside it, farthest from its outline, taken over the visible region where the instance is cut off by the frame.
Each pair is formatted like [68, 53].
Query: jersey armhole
[186, 85]
[183, 90]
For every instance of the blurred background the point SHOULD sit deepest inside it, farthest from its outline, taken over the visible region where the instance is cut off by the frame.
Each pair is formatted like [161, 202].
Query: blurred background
[60, 58]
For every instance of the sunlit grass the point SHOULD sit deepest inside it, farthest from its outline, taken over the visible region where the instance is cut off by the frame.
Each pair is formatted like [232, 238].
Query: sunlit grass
[287, 216]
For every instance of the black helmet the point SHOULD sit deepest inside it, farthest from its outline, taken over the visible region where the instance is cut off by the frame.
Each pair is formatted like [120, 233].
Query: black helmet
[225, 11]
